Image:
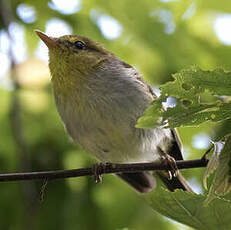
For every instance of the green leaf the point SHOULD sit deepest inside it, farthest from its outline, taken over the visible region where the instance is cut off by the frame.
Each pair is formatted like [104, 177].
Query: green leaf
[191, 82]
[221, 182]
[188, 88]
[213, 161]
[150, 120]
[188, 209]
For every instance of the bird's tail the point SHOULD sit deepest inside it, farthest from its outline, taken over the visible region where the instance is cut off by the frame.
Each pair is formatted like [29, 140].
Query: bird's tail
[178, 182]
[144, 182]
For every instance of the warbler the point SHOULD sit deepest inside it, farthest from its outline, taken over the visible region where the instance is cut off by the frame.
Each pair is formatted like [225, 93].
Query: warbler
[99, 98]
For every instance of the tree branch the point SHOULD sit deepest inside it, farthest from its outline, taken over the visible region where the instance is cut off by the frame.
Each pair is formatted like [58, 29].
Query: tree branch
[101, 169]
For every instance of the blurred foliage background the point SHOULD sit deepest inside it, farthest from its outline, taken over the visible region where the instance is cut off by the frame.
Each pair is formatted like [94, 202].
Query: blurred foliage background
[159, 38]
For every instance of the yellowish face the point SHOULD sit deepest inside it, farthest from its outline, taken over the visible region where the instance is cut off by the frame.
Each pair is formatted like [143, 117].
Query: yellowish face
[72, 59]
[73, 55]
[77, 53]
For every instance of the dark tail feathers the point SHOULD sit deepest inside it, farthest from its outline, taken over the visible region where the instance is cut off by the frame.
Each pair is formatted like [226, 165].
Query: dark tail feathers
[178, 182]
[144, 182]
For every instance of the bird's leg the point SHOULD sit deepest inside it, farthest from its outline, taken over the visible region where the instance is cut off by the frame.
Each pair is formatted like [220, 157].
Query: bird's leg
[98, 169]
[171, 162]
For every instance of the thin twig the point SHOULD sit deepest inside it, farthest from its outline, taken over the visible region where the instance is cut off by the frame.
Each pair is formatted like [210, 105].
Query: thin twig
[106, 169]
[205, 156]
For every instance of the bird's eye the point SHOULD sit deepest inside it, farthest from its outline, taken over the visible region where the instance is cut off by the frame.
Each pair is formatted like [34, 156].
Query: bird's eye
[79, 45]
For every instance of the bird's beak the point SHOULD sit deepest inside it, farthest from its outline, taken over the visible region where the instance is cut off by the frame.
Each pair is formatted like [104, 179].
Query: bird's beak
[50, 42]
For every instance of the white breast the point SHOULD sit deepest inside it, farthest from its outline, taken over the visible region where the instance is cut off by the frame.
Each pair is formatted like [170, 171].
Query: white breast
[105, 125]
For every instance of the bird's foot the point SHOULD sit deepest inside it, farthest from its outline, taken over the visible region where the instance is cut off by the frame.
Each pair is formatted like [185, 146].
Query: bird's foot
[98, 169]
[170, 161]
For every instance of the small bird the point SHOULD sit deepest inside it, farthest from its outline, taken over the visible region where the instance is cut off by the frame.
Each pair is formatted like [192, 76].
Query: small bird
[99, 99]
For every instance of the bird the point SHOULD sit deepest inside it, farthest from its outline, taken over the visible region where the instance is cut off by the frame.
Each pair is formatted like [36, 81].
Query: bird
[99, 98]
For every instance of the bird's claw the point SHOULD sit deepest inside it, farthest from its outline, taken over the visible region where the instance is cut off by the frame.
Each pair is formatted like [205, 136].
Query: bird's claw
[98, 169]
[170, 161]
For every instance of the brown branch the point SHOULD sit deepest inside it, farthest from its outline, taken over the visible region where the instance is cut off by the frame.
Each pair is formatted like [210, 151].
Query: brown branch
[102, 169]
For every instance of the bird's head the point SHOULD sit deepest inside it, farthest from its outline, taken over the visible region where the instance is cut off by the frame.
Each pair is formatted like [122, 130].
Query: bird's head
[73, 57]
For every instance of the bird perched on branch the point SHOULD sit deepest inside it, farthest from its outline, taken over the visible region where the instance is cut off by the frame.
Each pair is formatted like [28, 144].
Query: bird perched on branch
[99, 98]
